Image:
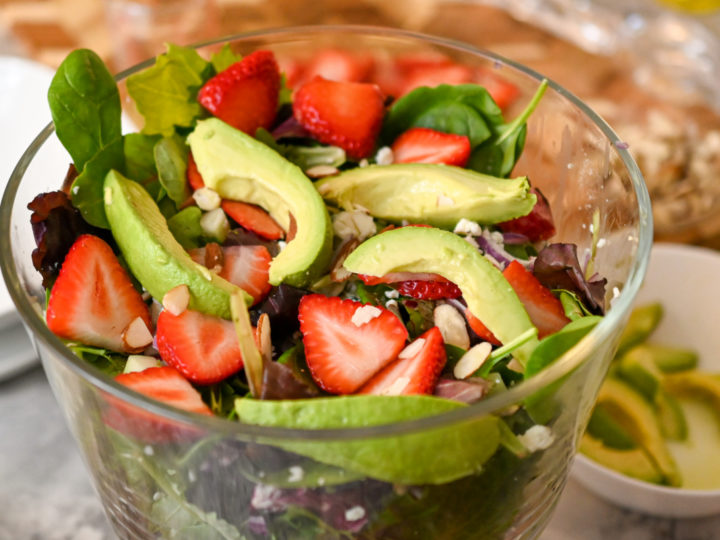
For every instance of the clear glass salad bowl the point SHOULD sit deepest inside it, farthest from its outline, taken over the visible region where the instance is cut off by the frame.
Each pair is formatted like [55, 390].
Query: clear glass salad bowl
[161, 472]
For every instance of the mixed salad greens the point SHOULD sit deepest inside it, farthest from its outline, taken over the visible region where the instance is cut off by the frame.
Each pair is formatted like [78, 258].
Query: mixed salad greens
[288, 249]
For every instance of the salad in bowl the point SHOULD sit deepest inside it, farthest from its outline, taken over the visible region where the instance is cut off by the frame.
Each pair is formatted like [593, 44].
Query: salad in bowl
[341, 283]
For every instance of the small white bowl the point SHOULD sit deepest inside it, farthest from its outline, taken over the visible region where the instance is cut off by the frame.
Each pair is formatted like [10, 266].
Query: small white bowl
[686, 280]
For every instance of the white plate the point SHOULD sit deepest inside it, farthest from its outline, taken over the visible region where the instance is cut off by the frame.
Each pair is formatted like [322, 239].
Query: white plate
[685, 279]
[24, 112]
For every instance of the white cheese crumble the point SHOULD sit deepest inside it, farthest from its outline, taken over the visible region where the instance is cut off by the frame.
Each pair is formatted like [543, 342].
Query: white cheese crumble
[465, 226]
[471, 361]
[206, 198]
[355, 513]
[215, 224]
[295, 473]
[281, 244]
[365, 314]
[412, 349]
[451, 325]
[384, 156]
[392, 293]
[148, 450]
[537, 438]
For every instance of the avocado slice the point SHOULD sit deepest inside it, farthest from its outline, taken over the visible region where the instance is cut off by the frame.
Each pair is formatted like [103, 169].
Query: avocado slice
[638, 369]
[434, 194]
[155, 258]
[242, 168]
[695, 384]
[425, 249]
[642, 322]
[637, 417]
[633, 462]
[671, 416]
[671, 359]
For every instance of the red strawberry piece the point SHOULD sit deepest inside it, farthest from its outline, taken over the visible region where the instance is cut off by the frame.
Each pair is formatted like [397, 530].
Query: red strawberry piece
[434, 74]
[193, 175]
[254, 219]
[93, 300]
[502, 91]
[339, 65]
[244, 266]
[345, 114]
[417, 373]
[167, 385]
[245, 95]
[396, 277]
[537, 225]
[428, 290]
[164, 384]
[203, 348]
[424, 145]
[344, 346]
[480, 329]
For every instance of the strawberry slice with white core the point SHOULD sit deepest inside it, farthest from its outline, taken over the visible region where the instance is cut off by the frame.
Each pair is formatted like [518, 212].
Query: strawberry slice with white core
[203, 348]
[167, 385]
[416, 371]
[244, 266]
[425, 145]
[254, 219]
[347, 342]
[93, 300]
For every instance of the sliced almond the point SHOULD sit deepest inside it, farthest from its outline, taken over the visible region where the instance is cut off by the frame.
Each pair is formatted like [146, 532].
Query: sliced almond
[262, 336]
[452, 326]
[214, 256]
[338, 273]
[140, 362]
[136, 335]
[472, 360]
[320, 171]
[176, 300]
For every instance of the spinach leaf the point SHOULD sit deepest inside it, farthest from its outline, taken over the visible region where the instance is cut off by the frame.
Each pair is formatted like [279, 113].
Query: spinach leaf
[139, 158]
[302, 155]
[182, 519]
[85, 106]
[224, 58]
[108, 362]
[432, 456]
[87, 189]
[498, 154]
[465, 109]
[171, 157]
[165, 94]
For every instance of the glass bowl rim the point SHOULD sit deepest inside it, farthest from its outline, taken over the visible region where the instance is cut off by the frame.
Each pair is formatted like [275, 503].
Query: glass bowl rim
[573, 358]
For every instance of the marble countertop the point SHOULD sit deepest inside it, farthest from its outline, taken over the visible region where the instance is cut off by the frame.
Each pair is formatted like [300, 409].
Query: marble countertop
[45, 493]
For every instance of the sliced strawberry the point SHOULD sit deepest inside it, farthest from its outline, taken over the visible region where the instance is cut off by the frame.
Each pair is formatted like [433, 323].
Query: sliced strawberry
[424, 145]
[480, 329]
[254, 219]
[416, 374]
[203, 348]
[244, 266]
[502, 91]
[93, 300]
[193, 175]
[339, 65]
[164, 384]
[167, 385]
[342, 348]
[434, 74]
[345, 114]
[429, 290]
[397, 277]
[245, 95]
[537, 225]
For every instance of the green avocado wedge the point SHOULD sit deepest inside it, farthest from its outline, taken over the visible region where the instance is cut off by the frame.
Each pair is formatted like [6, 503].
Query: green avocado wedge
[155, 258]
[424, 249]
[632, 462]
[433, 194]
[430, 456]
[242, 168]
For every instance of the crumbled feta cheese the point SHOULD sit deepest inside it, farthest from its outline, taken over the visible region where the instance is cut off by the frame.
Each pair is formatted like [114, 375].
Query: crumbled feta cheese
[470, 240]
[451, 325]
[295, 474]
[365, 314]
[355, 513]
[356, 224]
[265, 497]
[465, 226]
[148, 450]
[384, 156]
[392, 293]
[207, 199]
[412, 349]
[281, 244]
[363, 163]
[444, 200]
[537, 438]
[215, 224]
[471, 361]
